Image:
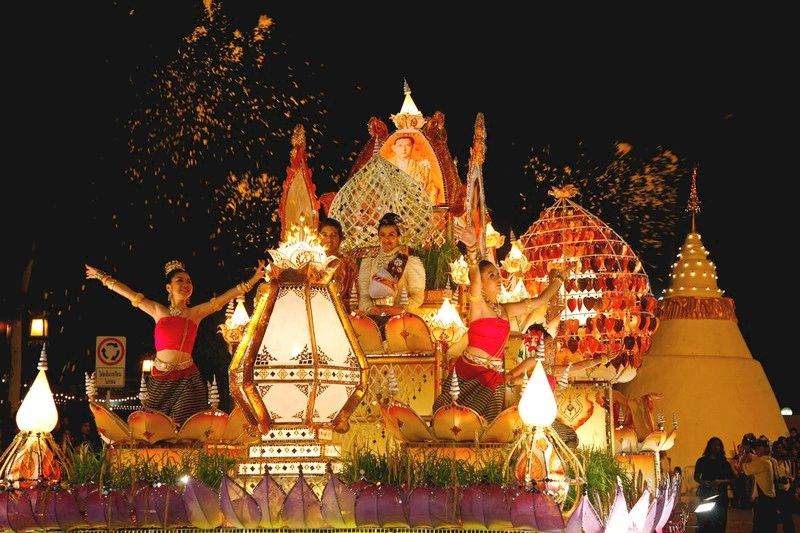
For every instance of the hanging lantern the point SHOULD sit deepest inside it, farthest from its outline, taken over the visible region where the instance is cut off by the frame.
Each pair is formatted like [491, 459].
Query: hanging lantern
[608, 305]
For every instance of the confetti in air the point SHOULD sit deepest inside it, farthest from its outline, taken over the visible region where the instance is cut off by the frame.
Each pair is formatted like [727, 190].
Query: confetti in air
[635, 193]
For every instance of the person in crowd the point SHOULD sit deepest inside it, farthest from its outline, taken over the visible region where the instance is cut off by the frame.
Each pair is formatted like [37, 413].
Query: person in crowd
[784, 483]
[383, 279]
[763, 468]
[713, 474]
[175, 386]
[331, 235]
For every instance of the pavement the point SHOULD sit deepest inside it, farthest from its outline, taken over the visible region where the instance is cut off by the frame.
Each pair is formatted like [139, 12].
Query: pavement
[740, 521]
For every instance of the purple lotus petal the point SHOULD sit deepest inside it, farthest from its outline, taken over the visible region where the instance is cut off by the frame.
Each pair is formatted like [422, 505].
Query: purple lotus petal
[81, 492]
[666, 511]
[639, 511]
[301, 507]
[618, 517]
[472, 514]
[496, 507]
[269, 496]
[20, 512]
[442, 507]
[548, 513]
[650, 521]
[68, 514]
[202, 505]
[419, 512]
[338, 504]
[145, 509]
[4, 497]
[584, 519]
[380, 506]
[169, 506]
[239, 508]
[44, 510]
[662, 511]
[110, 511]
[523, 515]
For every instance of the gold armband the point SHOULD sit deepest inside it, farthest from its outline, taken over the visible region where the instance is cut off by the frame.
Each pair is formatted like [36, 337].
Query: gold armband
[110, 282]
[137, 300]
[473, 298]
[529, 305]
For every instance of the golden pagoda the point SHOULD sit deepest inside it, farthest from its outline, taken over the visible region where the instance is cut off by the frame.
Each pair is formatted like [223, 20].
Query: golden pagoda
[699, 361]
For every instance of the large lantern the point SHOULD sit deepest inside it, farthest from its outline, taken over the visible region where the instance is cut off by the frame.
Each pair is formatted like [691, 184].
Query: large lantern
[608, 305]
[299, 370]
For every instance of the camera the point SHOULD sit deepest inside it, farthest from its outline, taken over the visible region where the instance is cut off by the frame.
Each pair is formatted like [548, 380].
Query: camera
[749, 441]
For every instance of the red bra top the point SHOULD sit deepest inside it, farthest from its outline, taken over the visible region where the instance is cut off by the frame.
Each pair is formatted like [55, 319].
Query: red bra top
[489, 334]
[175, 333]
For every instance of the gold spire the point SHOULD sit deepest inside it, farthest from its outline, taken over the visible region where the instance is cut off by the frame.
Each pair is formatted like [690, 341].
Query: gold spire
[693, 274]
[409, 116]
[693, 206]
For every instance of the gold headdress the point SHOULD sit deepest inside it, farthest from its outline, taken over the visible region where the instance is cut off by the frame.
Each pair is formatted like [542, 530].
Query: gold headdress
[173, 265]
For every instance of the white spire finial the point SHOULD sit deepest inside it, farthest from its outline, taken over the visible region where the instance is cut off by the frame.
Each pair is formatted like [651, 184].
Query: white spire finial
[393, 386]
[524, 383]
[454, 389]
[621, 416]
[91, 389]
[406, 87]
[213, 393]
[229, 310]
[660, 421]
[42, 358]
[143, 390]
[353, 297]
[675, 420]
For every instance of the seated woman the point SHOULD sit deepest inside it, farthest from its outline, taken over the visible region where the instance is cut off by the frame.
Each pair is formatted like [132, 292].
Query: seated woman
[175, 386]
[331, 235]
[383, 278]
[480, 368]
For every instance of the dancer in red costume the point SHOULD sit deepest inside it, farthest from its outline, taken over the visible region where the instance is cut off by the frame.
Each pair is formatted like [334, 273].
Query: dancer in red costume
[175, 386]
[480, 368]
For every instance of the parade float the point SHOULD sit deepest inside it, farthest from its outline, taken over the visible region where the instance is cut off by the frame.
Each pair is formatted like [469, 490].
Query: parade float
[332, 425]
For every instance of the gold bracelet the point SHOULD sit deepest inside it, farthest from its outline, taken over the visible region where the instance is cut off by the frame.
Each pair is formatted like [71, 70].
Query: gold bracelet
[473, 298]
[111, 284]
[529, 305]
[102, 276]
[137, 300]
[243, 287]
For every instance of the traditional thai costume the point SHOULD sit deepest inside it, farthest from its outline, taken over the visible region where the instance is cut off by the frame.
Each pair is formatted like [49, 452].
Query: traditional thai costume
[176, 389]
[411, 277]
[480, 377]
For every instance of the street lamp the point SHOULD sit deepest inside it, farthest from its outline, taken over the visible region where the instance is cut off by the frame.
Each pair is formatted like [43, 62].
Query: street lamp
[38, 328]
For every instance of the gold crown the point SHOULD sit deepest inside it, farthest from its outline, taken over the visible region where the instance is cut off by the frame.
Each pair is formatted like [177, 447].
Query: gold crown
[173, 265]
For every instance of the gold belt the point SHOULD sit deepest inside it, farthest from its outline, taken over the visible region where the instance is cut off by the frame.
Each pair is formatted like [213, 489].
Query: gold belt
[166, 366]
[483, 360]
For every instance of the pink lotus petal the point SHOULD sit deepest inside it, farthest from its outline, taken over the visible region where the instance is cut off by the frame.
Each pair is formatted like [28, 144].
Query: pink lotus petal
[584, 519]
[269, 496]
[338, 504]
[548, 513]
[169, 506]
[20, 512]
[380, 506]
[301, 508]
[239, 508]
[202, 505]
[523, 515]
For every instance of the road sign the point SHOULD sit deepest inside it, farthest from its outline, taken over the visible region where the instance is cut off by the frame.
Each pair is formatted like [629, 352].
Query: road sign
[110, 361]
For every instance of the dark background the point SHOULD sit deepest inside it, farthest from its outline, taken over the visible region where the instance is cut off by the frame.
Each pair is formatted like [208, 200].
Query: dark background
[713, 88]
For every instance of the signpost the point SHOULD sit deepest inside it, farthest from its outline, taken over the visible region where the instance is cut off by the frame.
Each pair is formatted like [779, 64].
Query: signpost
[110, 361]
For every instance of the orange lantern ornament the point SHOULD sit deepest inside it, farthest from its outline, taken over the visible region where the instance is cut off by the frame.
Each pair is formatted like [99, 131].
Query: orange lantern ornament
[608, 304]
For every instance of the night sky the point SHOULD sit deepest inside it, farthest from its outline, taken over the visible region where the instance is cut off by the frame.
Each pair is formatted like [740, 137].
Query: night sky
[713, 90]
